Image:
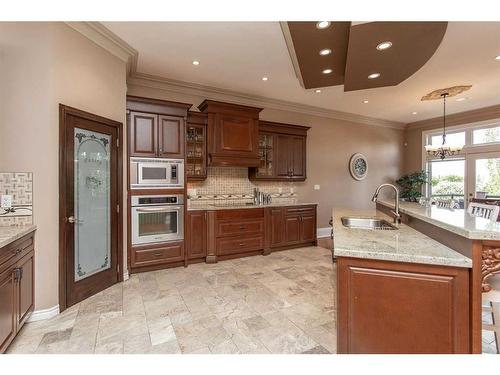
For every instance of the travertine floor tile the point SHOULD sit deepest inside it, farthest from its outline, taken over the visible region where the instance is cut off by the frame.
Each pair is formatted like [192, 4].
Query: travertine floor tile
[281, 303]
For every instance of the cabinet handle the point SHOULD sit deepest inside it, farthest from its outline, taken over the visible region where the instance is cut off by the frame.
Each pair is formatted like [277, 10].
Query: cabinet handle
[17, 274]
[157, 254]
[242, 244]
[242, 227]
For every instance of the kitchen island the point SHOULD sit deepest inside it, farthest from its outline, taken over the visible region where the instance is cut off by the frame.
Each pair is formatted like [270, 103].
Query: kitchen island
[399, 291]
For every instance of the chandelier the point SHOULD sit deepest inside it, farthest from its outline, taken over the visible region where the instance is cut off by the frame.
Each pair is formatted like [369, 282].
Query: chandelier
[444, 150]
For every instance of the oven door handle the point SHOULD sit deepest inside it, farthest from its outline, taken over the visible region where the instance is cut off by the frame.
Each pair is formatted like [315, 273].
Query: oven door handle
[157, 209]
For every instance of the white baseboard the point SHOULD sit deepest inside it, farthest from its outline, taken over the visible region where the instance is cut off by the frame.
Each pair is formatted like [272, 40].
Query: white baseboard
[126, 275]
[43, 314]
[324, 232]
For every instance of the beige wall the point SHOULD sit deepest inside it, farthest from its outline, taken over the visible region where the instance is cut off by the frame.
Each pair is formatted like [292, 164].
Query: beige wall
[44, 64]
[330, 144]
[413, 133]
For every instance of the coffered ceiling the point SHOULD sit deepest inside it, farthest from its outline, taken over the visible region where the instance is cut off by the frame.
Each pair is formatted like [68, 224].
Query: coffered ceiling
[235, 56]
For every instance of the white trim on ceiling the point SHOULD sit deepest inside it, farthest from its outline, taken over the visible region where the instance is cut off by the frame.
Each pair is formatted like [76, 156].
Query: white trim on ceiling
[216, 93]
[103, 37]
[106, 39]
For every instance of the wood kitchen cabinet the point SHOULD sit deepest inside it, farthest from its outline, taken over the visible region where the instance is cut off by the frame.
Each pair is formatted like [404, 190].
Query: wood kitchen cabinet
[196, 146]
[282, 152]
[196, 241]
[16, 287]
[300, 225]
[233, 130]
[401, 308]
[156, 128]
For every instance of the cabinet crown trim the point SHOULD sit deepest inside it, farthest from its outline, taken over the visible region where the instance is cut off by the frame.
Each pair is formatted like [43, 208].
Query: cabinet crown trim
[214, 106]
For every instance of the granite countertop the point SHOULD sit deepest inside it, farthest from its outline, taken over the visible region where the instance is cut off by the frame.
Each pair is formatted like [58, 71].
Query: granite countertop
[457, 221]
[12, 233]
[402, 245]
[238, 206]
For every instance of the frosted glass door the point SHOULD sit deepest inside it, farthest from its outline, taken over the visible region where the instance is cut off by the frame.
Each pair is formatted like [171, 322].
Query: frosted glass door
[92, 203]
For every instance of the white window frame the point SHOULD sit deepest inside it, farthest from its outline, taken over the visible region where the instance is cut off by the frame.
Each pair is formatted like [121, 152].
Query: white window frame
[470, 151]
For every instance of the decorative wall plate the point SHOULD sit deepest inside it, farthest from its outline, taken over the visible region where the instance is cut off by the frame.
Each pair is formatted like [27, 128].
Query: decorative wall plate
[451, 91]
[358, 166]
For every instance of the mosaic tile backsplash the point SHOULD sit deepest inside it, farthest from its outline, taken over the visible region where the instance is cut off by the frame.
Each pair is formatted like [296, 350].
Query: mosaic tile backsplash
[232, 184]
[20, 186]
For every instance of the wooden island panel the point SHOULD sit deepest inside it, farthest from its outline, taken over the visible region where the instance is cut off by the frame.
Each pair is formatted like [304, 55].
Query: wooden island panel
[402, 308]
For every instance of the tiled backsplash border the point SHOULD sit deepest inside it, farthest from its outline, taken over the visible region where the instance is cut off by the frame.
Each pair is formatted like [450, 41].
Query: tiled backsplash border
[20, 186]
[232, 183]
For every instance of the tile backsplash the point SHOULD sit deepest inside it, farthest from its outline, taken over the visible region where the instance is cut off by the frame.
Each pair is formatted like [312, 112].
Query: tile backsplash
[20, 186]
[232, 183]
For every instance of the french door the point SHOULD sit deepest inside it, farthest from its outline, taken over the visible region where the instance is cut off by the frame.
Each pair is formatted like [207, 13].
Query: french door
[90, 246]
[483, 175]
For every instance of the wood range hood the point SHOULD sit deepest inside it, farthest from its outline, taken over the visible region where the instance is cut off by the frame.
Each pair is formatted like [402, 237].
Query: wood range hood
[233, 133]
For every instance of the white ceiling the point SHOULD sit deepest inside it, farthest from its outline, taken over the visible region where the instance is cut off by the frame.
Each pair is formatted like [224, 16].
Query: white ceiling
[236, 55]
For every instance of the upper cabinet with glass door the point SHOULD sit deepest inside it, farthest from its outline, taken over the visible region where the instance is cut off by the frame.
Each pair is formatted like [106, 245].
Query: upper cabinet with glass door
[282, 152]
[196, 146]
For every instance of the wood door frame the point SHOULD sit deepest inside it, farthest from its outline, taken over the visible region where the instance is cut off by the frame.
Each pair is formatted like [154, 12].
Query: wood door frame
[64, 111]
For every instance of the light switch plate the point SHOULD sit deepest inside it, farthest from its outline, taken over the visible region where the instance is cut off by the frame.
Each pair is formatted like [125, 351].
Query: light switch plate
[316, 187]
[280, 190]
[292, 190]
[6, 201]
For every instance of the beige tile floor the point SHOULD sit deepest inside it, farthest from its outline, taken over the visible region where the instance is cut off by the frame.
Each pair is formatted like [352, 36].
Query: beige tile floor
[281, 303]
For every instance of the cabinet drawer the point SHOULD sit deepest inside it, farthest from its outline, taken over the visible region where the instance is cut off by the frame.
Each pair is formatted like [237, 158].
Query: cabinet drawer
[249, 213]
[225, 228]
[300, 210]
[158, 255]
[17, 248]
[239, 244]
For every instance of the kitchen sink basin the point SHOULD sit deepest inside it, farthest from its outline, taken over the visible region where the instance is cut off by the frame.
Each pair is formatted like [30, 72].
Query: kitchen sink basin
[367, 223]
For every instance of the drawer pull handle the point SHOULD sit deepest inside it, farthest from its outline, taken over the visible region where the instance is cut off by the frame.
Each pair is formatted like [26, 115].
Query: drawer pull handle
[242, 227]
[157, 254]
[242, 244]
[18, 251]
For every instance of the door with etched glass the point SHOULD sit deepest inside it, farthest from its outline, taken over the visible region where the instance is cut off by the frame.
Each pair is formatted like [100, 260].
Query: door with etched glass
[91, 205]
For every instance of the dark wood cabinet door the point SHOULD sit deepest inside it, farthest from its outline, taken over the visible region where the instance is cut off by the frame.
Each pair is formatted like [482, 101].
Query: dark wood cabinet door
[143, 134]
[197, 234]
[170, 137]
[282, 156]
[292, 229]
[383, 304]
[237, 135]
[297, 157]
[308, 228]
[276, 230]
[25, 288]
[7, 308]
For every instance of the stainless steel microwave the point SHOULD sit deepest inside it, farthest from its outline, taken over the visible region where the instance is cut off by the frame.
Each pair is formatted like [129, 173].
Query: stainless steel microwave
[156, 173]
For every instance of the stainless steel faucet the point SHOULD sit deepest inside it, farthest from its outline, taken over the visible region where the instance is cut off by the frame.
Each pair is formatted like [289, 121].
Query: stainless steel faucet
[397, 216]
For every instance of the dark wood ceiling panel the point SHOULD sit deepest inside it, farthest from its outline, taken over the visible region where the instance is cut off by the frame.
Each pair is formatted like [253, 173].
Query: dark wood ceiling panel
[413, 44]
[306, 42]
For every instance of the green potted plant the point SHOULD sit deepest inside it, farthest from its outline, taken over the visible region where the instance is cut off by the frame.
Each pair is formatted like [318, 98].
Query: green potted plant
[411, 185]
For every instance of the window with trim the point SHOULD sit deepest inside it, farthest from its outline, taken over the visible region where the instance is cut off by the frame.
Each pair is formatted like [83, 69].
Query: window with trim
[474, 173]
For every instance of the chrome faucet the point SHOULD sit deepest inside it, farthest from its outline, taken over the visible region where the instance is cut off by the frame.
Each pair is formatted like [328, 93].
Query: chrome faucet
[397, 216]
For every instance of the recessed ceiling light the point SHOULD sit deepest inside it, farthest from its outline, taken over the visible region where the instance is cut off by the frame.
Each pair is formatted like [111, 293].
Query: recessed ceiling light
[265, 78]
[317, 91]
[322, 24]
[327, 71]
[365, 101]
[325, 51]
[460, 99]
[497, 58]
[196, 62]
[384, 45]
[414, 113]
[374, 75]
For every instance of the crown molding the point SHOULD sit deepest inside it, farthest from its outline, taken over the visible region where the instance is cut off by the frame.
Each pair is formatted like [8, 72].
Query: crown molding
[106, 39]
[103, 37]
[472, 116]
[216, 93]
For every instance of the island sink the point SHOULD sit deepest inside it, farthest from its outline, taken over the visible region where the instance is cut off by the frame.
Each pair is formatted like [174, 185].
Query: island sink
[367, 223]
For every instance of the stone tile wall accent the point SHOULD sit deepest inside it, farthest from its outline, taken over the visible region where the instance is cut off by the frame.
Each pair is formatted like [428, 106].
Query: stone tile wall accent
[20, 186]
[232, 183]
